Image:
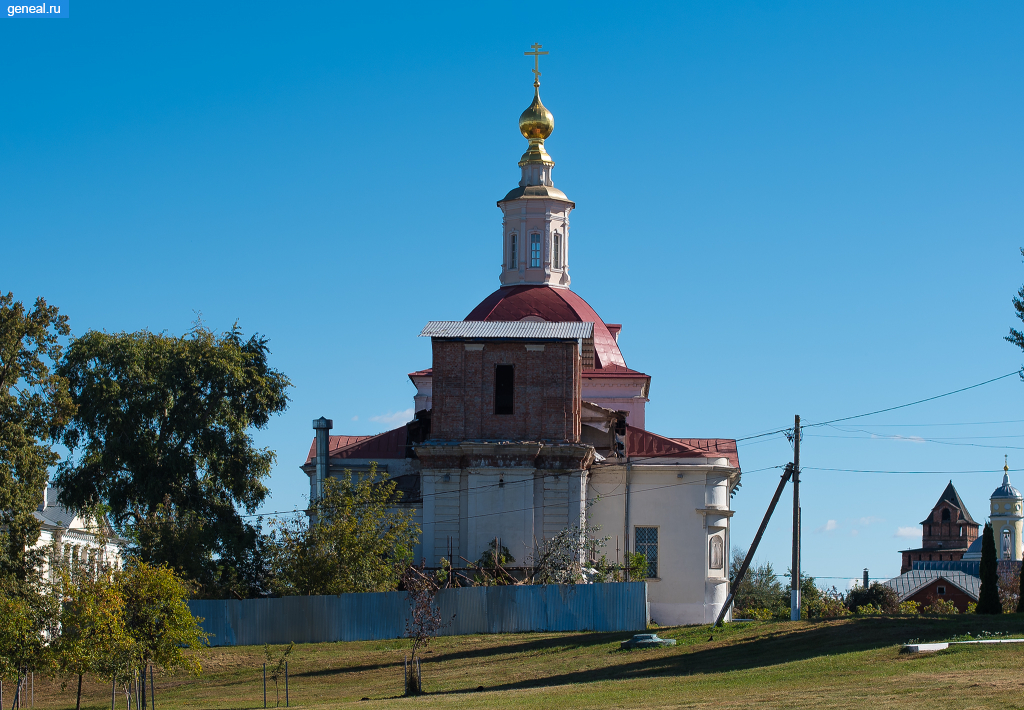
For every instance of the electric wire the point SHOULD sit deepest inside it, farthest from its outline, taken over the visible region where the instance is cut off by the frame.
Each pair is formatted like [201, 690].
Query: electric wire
[508, 483]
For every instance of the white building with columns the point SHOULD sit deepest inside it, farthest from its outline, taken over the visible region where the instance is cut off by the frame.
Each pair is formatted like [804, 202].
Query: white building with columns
[529, 420]
[75, 541]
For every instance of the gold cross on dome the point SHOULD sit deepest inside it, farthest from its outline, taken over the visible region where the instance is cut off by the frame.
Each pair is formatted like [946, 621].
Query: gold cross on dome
[536, 62]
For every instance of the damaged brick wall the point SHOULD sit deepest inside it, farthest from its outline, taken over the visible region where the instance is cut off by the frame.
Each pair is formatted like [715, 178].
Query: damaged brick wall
[546, 391]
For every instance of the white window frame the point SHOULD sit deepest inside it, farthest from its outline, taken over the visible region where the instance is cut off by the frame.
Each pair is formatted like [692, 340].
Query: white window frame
[513, 251]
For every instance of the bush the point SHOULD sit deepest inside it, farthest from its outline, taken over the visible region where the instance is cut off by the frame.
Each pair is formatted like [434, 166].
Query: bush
[881, 596]
[910, 608]
[867, 610]
[828, 605]
[972, 608]
[941, 606]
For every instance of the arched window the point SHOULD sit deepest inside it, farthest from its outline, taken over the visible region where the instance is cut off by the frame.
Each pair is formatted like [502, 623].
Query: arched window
[535, 251]
[513, 251]
[945, 515]
[556, 252]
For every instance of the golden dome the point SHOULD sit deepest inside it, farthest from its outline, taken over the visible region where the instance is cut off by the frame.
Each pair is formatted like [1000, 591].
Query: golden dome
[536, 122]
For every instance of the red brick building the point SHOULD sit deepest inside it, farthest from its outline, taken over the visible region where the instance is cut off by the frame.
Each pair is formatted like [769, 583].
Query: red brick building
[947, 532]
[925, 586]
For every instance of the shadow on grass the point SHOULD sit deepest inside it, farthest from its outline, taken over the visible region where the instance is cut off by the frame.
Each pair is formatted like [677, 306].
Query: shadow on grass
[558, 643]
[771, 645]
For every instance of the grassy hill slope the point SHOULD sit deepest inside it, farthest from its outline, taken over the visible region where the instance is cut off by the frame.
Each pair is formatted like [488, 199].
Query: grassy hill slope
[850, 663]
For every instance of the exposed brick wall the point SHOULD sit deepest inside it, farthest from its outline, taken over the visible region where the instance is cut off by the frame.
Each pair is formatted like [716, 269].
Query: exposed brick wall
[952, 533]
[928, 594]
[941, 540]
[547, 391]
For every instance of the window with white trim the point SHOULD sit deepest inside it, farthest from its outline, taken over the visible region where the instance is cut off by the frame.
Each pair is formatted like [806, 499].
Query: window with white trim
[646, 544]
[513, 251]
[556, 252]
[534, 251]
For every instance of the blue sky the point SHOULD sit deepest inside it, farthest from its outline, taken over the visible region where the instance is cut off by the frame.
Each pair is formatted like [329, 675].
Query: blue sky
[806, 208]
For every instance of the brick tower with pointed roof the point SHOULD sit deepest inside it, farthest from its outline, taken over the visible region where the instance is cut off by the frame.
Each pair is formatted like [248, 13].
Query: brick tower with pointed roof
[946, 533]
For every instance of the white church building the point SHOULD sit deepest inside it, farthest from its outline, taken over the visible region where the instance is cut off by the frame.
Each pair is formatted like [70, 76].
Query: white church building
[529, 420]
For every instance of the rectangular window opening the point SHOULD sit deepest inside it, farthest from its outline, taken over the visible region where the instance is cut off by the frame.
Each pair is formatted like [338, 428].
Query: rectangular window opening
[513, 252]
[534, 251]
[556, 257]
[504, 389]
[646, 543]
[942, 591]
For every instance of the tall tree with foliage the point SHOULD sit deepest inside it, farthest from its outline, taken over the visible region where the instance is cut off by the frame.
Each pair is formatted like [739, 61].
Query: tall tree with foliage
[760, 587]
[27, 623]
[162, 436]
[34, 406]
[988, 597]
[158, 621]
[359, 540]
[93, 638]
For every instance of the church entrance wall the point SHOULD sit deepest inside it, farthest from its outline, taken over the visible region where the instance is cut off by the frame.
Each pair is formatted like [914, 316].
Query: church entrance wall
[688, 505]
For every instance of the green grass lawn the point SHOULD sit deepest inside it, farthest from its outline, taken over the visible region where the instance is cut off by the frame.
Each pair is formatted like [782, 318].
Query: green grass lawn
[850, 663]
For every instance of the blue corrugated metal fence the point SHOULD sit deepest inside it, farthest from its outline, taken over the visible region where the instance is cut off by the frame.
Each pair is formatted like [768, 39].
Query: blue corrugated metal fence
[477, 610]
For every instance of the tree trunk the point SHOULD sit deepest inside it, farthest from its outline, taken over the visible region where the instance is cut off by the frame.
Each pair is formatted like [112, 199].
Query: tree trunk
[78, 702]
[142, 693]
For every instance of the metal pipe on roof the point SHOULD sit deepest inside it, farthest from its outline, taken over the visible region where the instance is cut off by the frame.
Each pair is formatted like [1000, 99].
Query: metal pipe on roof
[323, 427]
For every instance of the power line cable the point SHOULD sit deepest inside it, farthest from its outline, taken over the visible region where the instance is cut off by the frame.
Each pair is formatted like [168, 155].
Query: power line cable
[911, 404]
[929, 473]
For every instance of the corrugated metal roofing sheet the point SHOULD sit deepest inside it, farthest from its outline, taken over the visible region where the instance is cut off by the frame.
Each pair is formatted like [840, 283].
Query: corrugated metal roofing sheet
[910, 582]
[971, 567]
[619, 606]
[547, 330]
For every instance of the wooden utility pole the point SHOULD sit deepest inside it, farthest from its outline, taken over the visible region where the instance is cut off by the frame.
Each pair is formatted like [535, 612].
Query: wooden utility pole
[794, 598]
[735, 584]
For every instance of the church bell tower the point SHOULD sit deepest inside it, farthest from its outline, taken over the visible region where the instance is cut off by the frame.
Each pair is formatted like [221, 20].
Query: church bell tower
[535, 228]
[1007, 519]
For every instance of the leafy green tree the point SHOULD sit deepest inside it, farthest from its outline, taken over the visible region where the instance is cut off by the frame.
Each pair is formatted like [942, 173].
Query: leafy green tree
[27, 622]
[358, 539]
[157, 621]
[759, 589]
[988, 596]
[162, 435]
[34, 406]
[810, 595]
[880, 596]
[93, 637]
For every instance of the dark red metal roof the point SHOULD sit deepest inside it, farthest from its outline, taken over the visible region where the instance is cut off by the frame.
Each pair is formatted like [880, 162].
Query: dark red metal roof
[389, 445]
[551, 304]
[645, 444]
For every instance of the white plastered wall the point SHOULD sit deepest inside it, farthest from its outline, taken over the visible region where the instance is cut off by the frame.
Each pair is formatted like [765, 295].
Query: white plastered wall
[688, 504]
